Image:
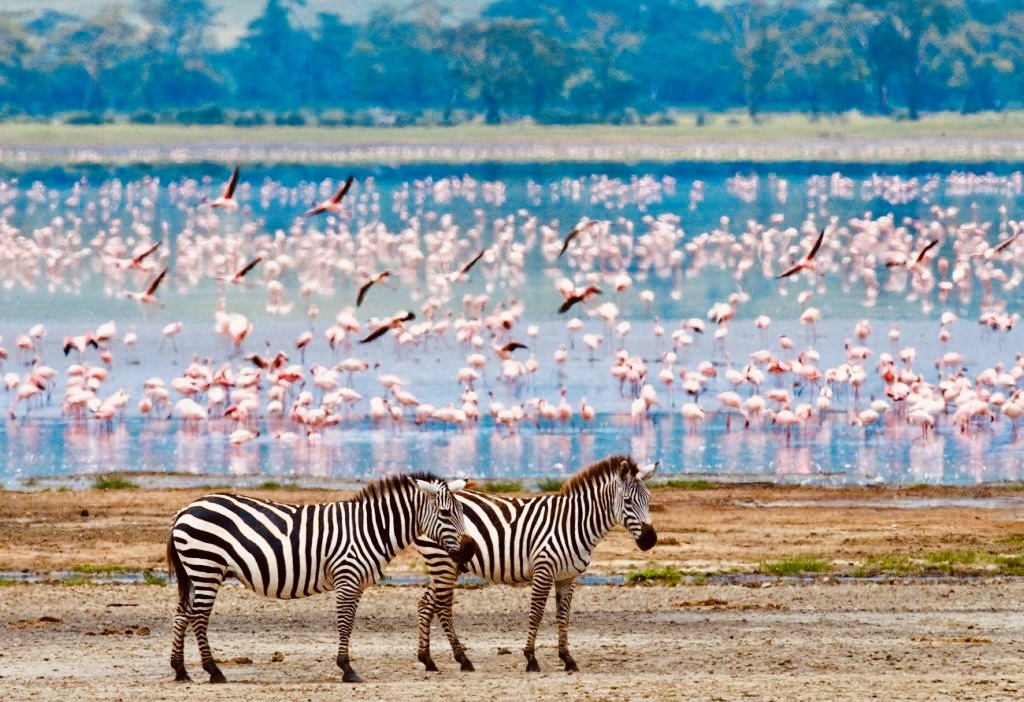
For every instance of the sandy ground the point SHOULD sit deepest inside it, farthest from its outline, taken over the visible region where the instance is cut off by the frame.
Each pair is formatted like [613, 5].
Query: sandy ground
[757, 638]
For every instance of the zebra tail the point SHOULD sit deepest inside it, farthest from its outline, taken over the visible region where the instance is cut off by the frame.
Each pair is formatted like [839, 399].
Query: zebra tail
[174, 561]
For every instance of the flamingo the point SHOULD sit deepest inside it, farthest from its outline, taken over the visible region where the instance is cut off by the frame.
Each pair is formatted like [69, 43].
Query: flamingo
[226, 200]
[332, 204]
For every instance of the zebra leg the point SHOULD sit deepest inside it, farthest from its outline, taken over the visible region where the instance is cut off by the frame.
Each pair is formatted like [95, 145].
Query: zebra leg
[445, 614]
[542, 581]
[346, 597]
[181, 622]
[201, 619]
[563, 602]
[425, 612]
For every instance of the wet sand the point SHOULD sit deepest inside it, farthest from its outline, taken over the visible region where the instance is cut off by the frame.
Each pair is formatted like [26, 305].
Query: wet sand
[827, 636]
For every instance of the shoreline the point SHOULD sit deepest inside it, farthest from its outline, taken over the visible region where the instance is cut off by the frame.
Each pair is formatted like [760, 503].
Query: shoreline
[730, 530]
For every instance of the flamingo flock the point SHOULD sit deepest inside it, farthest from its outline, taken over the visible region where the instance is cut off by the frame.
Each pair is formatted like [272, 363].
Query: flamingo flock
[447, 309]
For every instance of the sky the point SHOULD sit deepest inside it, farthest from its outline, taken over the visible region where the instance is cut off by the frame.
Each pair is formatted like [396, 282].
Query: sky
[235, 14]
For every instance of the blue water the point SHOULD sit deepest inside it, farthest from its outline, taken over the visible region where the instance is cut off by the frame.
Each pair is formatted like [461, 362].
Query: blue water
[59, 279]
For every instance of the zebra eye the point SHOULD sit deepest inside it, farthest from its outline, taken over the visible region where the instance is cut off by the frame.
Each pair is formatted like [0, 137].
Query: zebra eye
[444, 513]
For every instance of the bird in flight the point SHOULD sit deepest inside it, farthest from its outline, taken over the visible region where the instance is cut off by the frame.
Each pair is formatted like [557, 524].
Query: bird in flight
[505, 352]
[578, 296]
[227, 200]
[915, 265]
[464, 271]
[135, 262]
[992, 251]
[392, 323]
[807, 262]
[148, 296]
[333, 203]
[575, 232]
[365, 287]
[237, 277]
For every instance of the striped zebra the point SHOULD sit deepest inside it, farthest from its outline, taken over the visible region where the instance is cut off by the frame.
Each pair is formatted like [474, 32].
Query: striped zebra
[287, 551]
[548, 539]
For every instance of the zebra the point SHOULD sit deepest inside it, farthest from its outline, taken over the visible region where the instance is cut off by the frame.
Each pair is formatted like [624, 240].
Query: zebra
[548, 539]
[286, 551]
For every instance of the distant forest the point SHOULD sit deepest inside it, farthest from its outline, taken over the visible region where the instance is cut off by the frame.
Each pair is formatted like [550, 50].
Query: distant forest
[550, 61]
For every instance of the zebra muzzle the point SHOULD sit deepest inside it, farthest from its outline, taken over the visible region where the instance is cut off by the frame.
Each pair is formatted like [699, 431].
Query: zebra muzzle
[467, 549]
[647, 539]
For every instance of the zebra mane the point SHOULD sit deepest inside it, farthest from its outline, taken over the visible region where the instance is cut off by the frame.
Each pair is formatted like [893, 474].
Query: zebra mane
[596, 472]
[385, 486]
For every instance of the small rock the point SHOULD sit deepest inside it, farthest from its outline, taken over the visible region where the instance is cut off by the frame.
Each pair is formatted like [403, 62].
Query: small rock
[242, 660]
[84, 513]
[277, 657]
[502, 651]
[142, 631]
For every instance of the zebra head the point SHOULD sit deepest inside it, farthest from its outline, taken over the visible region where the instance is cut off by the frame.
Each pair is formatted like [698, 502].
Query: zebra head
[440, 519]
[635, 512]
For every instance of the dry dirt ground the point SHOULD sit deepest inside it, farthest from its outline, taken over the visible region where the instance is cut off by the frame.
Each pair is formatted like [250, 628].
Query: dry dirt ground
[959, 637]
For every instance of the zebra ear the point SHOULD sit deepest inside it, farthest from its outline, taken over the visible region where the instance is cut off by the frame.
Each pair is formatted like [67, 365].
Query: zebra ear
[456, 485]
[428, 487]
[626, 470]
[647, 471]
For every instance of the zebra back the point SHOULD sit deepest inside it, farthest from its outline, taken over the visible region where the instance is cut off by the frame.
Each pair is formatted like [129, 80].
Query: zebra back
[286, 551]
[514, 534]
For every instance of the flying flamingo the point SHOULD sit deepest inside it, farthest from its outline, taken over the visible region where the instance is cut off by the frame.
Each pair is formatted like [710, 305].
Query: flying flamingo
[226, 200]
[332, 204]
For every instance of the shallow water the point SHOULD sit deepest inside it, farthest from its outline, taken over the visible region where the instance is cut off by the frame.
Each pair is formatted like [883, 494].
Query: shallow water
[42, 445]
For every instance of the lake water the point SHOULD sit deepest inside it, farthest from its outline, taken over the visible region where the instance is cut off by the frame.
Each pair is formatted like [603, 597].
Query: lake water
[688, 236]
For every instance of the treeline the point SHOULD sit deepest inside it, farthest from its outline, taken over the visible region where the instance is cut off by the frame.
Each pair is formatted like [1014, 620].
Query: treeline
[552, 61]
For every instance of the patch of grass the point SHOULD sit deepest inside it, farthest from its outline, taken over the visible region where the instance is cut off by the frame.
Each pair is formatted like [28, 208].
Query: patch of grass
[686, 484]
[550, 485]
[951, 561]
[30, 482]
[7, 582]
[795, 566]
[885, 565]
[665, 575]
[275, 485]
[113, 482]
[499, 486]
[775, 137]
[151, 578]
[1016, 540]
[100, 568]
[1010, 565]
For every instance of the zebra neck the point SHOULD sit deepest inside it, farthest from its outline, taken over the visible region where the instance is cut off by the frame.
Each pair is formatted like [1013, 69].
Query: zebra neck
[388, 521]
[593, 511]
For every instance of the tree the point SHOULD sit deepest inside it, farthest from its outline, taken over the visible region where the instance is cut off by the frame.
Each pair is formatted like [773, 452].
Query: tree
[505, 64]
[14, 49]
[757, 45]
[398, 59]
[103, 47]
[178, 46]
[332, 47]
[821, 68]
[272, 63]
[892, 34]
[602, 84]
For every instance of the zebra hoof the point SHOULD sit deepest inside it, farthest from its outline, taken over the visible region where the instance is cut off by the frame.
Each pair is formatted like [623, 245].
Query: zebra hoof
[217, 677]
[350, 676]
[430, 666]
[182, 677]
[467, 665]
[532, 666]
[571, 667]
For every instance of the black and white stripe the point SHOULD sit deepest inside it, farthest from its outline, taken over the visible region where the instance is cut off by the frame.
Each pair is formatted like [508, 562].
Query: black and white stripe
[548, 539]
[286, 551]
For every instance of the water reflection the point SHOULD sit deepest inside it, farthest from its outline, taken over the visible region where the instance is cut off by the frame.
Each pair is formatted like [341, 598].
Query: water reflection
[834, 452]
